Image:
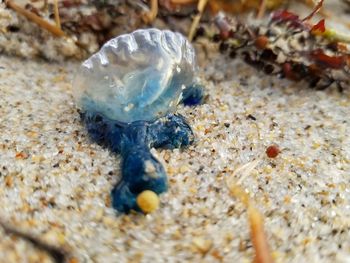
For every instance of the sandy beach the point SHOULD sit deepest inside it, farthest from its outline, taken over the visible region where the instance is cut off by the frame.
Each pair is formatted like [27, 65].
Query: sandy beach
[55, 183]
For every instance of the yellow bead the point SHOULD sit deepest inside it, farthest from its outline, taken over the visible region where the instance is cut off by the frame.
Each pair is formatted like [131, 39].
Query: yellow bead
[148, 201]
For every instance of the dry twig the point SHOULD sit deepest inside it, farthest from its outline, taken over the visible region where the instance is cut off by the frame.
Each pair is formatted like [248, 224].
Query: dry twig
[36, 19]
[57, 254]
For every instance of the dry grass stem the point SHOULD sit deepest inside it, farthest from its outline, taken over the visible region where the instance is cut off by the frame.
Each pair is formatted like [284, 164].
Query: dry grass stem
[35, 19]
[201, 6]
[57, 14]
[244, 171]
[149, 17]
[258, 236]
[262, 9]
[256, 222]
[183, 2]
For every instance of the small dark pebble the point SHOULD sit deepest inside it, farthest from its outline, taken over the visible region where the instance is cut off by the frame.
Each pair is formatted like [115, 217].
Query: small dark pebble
[251, 117]
[333, 46]
[273, 165]
[13, 28]
[247, 58]
[233, 54]
[268, 55]
[268, 69]
[200, 32]
[201, 168]
[314, 82]
[302, 40]
[196, 12]
[223, 47]
[216, 38]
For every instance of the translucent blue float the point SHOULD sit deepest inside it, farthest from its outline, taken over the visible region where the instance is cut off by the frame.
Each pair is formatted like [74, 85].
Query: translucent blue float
[127, 95]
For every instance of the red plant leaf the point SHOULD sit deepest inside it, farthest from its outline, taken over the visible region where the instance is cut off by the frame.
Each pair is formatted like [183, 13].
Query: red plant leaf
[319, 27]
[285, 16]
[288, 71]
[323, 60]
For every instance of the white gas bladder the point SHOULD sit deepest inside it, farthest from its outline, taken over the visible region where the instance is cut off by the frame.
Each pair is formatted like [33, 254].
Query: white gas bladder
[138, 76]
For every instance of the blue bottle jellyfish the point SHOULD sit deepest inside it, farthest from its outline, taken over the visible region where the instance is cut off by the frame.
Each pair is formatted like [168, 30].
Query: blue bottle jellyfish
[127, 94]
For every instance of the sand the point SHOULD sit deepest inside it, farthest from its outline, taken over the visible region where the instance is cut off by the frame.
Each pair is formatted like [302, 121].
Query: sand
[55, 182]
